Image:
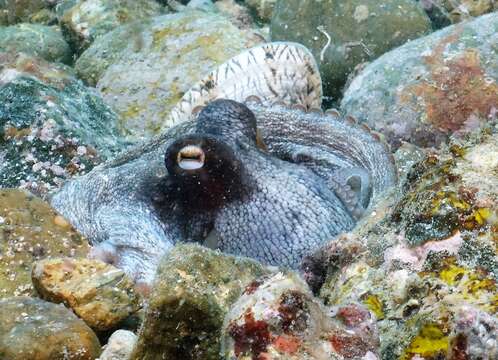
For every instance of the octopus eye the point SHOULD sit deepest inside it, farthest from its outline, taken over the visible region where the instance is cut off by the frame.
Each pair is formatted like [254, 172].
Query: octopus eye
[190, 157]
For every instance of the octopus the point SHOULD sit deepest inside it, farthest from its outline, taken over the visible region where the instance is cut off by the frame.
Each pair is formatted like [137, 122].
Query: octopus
[252, 166]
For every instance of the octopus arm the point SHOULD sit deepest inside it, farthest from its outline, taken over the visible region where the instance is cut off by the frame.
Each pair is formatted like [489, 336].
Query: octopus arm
[133, 239]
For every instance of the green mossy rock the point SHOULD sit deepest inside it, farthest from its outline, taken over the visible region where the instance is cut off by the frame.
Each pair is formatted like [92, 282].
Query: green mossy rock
[262, 8]
[37, 330]
[108, 49]
[193, 290]
[359, 30]
[87, 20]
[143, 69]
[31, 230]
[42, 41]
[26, 11]
[433, 87]
[52, 127]
[425, 262]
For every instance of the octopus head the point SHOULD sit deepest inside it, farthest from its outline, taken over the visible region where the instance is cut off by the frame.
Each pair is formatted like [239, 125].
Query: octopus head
[228, 120]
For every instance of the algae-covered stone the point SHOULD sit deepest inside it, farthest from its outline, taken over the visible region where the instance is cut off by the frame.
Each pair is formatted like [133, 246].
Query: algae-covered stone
[193, 290]
[31, 230]
[468, 341]
[428, 256]
[32, 11]
[62, 6]
[430, 88]
[37, 330]
[342, 34]
[150, 65]
[263, 8]
[98, 293]
[42, 41]
[237, 13]
[418, 311]
[89, 19]
[437, 13]
[108, 49]
[51, 126]
[445, 12]
[278, 315]
[205, 5]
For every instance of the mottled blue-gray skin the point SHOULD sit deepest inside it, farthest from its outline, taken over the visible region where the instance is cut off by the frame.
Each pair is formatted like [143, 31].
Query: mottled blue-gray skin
[317, 175]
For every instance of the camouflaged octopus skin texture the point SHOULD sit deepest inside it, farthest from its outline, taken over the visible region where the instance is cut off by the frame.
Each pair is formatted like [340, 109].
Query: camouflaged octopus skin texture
[316, 176]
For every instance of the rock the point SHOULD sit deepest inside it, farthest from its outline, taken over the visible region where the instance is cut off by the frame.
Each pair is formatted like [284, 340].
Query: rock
[52, 127]
[34, 329]
[205, 5]
[237, 13]
[62, 6]
[89, 19]
[107, 50]
[193, 290]
[461, 10]
[263, 8]
[468, 340]
[31, 230]
[425, 262]
[430, 88]
[445, 12]
[278, 318]
[41, 41]
[119, 346]
[359, 31]
[419, 313]
[100, 294]
[451, 194]
[436, 12]
[143, 69]
[26, 11]
[407, 156]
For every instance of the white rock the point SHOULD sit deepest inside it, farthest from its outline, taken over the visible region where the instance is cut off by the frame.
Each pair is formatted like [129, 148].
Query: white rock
[120, 346]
